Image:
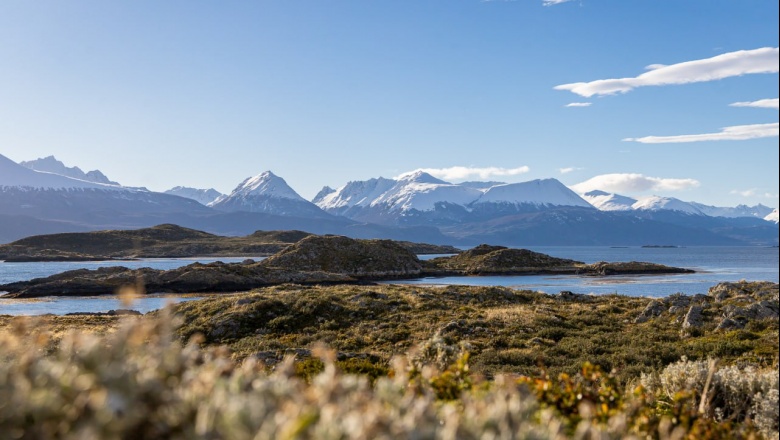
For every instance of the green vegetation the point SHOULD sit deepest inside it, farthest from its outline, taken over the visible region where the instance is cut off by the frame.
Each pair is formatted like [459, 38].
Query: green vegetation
[509, 331]
[162, 241]
[141, 380]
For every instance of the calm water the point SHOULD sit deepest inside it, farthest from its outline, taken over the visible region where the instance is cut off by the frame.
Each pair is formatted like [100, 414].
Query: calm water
[11, 272]
[713, 265]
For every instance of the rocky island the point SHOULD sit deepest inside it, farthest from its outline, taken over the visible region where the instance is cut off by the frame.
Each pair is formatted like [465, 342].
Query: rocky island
[163, 241]
[318, 260]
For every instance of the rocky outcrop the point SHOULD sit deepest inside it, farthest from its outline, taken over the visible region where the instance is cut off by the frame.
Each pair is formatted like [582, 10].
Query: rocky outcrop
[673, 305]
[745, 301]
[731, 305]
[693, 320]
[745, 290]
[347, 256]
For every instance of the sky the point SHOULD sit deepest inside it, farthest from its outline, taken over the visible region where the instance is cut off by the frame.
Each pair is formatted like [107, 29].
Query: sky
[669, 97]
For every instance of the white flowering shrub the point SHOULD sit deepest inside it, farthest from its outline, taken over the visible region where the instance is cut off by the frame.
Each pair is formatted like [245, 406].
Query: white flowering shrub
[141, 382]
[735, 394]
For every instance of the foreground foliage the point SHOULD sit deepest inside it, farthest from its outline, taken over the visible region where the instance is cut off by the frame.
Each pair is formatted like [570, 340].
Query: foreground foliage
[141, 381]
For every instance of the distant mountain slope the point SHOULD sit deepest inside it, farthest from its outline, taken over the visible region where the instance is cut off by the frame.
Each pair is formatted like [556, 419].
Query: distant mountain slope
[50, 164]
[657, 203]
[772, 216]
[202, 196]
[759, 211]
[605, 201]
[270, 194]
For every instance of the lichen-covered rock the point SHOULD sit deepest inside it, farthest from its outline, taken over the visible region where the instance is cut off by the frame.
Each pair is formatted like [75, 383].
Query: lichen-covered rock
[343, 255]
[758, 290]
[693, 319]
[654, 308]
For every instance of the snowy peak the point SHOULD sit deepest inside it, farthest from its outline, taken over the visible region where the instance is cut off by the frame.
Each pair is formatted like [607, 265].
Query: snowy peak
[657, 203]
[356, 193]
[423, 194]
[325, 191]
[50, 164]
[540, 192]
[14, 175]
[266, 184]
[270, 194]
[420, 176]
[202, 196]
[772, 216]
[604, 201]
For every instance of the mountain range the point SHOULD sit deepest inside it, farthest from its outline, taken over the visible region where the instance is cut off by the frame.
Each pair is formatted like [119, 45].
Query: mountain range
[45, 196]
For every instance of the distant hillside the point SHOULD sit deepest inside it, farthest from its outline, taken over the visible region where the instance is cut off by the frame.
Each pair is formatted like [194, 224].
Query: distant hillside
[164, 240]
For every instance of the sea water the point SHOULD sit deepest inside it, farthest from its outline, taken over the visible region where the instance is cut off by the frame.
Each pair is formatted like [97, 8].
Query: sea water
[712, 265]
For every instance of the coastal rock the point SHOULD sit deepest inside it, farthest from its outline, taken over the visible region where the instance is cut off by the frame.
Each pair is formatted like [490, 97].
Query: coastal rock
[347, 256]
[629, 268]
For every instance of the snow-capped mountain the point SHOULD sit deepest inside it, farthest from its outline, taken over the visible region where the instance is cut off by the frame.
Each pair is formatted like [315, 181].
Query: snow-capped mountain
[202, 196]
[538, 193]
[759, 211]
[419, 198]
[50, 164]
[605, 201]
[772, 216]
[422, 192]
[267, 193]
[52, 199]
[657, 203]
[13, 174]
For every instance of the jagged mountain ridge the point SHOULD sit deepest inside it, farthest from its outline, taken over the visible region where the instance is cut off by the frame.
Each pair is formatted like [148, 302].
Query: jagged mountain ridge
[419, 198]
[50, 164]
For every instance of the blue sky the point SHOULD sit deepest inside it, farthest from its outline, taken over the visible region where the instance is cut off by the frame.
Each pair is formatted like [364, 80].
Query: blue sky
[206, 93]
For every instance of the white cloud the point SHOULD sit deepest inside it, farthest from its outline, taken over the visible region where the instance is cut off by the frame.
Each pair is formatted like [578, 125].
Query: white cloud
[554, 2]
[754, 192]
[633, 183]
[568, 170]
[462, 173]
[742, 62]
[578, 104]
[761, 103]
[733, 133]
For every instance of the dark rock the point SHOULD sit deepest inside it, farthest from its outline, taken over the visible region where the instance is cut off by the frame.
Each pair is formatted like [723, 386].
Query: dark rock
[603, 268]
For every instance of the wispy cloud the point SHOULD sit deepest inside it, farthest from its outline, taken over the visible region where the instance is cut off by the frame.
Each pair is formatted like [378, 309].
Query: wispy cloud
[462, 173]
[568, 170]
[754, 192]
[733, 133]
[554, 2]
[743, 62]
[633, 183]
[578, 104]
[761, 103]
